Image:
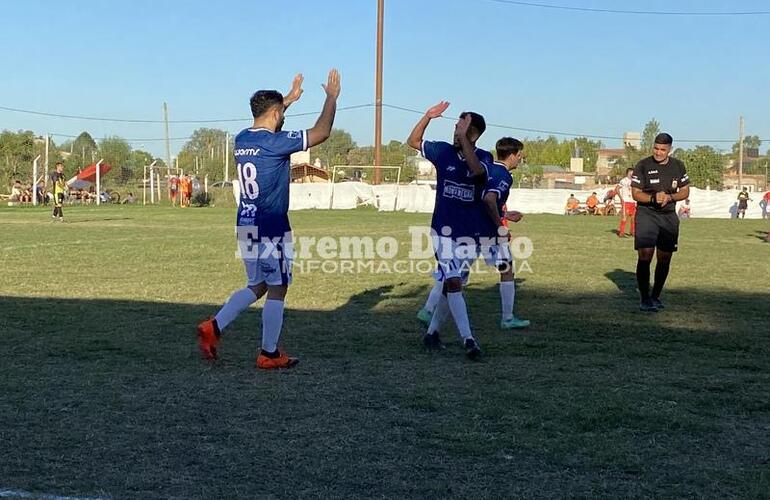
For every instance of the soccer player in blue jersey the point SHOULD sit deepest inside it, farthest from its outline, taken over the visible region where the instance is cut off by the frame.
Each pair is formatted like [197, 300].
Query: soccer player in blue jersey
[264, 234]
[494, 235]
[454, 226]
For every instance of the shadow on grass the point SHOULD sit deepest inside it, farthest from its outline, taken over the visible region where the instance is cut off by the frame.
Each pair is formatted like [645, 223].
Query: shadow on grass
[110, 398]
[108, 219]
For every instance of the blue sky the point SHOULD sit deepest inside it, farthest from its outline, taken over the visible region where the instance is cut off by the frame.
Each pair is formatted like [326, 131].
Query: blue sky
[586, 73]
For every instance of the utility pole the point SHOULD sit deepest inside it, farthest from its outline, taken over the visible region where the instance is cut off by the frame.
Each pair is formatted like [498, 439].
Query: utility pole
[168, 145]
[45, 178]
[227, 156]
[378, 94]
[740, 158]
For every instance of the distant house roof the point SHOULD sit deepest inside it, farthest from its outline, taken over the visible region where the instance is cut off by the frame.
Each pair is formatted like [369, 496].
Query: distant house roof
[611, 152]
[306, 169]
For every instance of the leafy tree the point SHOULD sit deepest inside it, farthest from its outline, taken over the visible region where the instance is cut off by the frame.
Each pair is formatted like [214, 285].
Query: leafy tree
[17, 151]
[631, 157]
[704, 164]
[203, 154]
[334, 151]
[116, 151]
[749, 142]
[527, 175]
[551, 151]
[84, 152]
[651, 129]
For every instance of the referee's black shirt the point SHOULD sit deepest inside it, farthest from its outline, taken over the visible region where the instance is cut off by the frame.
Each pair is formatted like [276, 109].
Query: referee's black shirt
[653, 177]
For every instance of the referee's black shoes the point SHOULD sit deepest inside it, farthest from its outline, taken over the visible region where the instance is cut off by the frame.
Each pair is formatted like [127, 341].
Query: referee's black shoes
[657, 303]
[648, 306]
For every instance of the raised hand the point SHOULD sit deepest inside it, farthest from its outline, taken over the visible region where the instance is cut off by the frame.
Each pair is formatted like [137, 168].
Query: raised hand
[437, 110]
[296, 90]
[461, 127]
[332, 86]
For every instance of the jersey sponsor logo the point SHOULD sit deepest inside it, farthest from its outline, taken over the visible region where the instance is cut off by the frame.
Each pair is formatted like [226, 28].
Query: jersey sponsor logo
[247, 221]
[463, 192]
[654, 181]
[294, 134]
[451, 168]
[246, 152]
[248, 210]
[652, 172]
[503, 186]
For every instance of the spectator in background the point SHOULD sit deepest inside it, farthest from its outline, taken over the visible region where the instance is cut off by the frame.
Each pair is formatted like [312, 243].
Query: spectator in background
[765, 203]
[573, 206]
[16, 191]
[684, 210]
[591, 203]
[26, 194]
[173, 189]
[743, 204]
[185, 187]
[42, 197]
[609, 202]
[189, 193]
[129, 199]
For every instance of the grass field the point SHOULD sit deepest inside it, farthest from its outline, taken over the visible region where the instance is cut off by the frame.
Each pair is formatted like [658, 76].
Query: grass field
[103, 393]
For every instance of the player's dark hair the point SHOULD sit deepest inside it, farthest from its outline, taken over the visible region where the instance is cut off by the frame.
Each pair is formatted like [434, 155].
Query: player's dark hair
[477, 122]
[664, 139]
[59, 163]
[507, 146]
[263, 100]
[629, 169]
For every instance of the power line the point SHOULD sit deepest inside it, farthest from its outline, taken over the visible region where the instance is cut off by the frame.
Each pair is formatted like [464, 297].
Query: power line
[359, 106]
[129, 120]
[632, 12]
[555, 132]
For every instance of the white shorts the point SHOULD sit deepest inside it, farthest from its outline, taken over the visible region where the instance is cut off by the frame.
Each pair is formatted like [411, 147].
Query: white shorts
[267, 260]
[454, 258]
[497, 255]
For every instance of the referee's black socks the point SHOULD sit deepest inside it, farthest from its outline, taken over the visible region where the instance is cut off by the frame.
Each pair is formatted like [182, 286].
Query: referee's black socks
[643, 278]
[661, 273]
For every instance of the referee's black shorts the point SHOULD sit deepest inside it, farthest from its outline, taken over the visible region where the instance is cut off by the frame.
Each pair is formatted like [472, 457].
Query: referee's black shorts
[656, 230]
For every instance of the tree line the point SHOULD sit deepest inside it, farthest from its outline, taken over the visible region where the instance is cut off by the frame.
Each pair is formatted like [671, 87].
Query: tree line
[205, 153]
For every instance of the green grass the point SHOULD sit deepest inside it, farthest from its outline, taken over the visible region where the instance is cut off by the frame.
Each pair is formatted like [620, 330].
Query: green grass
[102, 392]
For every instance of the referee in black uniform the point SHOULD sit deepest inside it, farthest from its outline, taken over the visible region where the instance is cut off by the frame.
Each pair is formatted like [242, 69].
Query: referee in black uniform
[658, 182]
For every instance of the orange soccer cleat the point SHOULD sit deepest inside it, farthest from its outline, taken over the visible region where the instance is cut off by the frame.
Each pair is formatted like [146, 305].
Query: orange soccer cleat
[208, 338]
[281, 361]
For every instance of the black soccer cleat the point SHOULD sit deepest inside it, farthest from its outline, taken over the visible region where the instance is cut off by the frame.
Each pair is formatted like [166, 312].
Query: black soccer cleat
[657, 303]
[647, 306]
[472, 349]
[432, 341]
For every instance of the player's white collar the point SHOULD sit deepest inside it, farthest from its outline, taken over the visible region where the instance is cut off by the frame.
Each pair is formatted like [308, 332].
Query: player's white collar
[498, 162]
[260, 128]
[460, 153]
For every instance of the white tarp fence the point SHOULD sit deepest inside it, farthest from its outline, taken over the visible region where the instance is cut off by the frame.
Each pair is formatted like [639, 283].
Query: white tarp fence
[420, 199]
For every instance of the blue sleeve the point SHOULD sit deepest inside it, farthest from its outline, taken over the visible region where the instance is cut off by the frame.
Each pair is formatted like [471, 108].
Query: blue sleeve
[430, 150]
[496, 183]
[288, 142]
